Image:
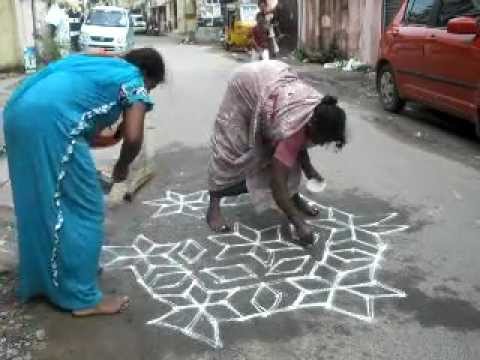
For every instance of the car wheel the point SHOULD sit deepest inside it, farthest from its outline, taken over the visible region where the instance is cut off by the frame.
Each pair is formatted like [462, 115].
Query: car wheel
[388, 90]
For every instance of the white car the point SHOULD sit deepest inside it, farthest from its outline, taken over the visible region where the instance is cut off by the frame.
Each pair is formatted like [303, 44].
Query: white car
[139, 23]
[109, 28]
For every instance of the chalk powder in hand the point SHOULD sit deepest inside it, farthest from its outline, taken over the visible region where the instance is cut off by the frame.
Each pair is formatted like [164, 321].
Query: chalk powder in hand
[315, 186]
[117, 194]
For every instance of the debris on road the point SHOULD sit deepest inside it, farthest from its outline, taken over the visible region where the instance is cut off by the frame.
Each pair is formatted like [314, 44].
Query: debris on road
[347, 65]
[457, 195]
[40, 335]
[19, 336]
[8, 247]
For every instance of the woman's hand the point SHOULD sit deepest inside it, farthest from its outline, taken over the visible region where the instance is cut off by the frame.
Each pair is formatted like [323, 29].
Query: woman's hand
[107, 137]
[282, 198]
[103, 141]
[307, 167]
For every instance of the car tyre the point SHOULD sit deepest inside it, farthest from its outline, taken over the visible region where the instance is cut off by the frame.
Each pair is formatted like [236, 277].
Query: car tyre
[388, 90]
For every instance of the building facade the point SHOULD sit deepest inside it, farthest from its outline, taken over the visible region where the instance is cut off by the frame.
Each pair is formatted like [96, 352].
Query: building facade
[172, 15]
[10, 56]
[21, 21]
[353, 26]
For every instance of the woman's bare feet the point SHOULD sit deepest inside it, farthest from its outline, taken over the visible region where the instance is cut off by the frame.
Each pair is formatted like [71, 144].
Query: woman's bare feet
[215, 220]
[304, 206]
[110, 305]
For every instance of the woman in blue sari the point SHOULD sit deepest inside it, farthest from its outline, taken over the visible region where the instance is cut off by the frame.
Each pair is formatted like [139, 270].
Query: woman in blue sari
[51, 121]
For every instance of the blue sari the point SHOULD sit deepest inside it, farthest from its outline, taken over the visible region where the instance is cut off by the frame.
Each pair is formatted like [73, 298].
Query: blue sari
[49, 122]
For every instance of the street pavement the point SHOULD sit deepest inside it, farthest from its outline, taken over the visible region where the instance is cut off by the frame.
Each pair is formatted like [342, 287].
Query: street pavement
[393, 275]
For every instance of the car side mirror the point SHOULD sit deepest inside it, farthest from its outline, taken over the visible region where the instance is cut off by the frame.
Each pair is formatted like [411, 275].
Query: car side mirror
[463, 25]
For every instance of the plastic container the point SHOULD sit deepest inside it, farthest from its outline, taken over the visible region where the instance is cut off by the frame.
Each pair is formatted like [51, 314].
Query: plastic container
[30, 59]
[315, 186]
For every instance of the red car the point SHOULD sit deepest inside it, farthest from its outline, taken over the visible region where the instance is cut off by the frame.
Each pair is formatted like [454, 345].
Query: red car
[431, 54]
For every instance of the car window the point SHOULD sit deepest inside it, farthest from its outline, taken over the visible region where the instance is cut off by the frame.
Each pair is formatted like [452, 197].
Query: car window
[107, 18]
[419, 11]
[453, 8]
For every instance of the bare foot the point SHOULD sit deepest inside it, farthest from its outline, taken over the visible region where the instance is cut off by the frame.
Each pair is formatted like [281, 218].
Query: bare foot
[304, 206]
[215, 220]
[110, 305]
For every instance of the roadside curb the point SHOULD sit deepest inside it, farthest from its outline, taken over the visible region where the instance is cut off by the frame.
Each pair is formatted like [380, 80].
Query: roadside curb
[351, 85]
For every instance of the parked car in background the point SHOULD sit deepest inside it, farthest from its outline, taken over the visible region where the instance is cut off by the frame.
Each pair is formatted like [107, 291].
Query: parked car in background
[109, 28]
[431, 54]
[139, 23]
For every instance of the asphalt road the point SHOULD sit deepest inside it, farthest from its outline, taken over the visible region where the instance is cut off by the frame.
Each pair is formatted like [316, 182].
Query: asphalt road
[399, 278]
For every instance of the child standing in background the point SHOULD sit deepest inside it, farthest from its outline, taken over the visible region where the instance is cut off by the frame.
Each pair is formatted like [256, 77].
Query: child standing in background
[260, 39]
[267, 8]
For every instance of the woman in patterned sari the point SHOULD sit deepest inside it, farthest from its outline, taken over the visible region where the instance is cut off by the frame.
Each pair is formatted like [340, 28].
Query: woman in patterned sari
[51, 121]
[266, 121]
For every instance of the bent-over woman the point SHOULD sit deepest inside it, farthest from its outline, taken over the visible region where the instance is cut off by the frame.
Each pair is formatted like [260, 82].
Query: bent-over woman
[266, 122]
[51, 121]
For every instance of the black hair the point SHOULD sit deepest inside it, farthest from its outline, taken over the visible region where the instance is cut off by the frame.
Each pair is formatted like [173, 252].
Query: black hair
[329, 122]
[149, 61]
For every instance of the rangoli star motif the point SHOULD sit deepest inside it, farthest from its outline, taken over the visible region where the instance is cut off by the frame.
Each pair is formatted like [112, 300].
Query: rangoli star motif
[191, 204]
[248, 273]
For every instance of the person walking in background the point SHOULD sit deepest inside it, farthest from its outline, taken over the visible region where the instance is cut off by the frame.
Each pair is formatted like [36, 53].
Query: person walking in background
[75, 19]
[59, 27]
[52, 19]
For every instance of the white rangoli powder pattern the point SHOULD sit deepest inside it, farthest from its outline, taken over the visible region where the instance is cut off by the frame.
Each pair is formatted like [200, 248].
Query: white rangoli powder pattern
[252, 273]
[192, 204]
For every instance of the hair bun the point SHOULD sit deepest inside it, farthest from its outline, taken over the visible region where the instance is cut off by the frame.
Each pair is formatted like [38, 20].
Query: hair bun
[329, 100]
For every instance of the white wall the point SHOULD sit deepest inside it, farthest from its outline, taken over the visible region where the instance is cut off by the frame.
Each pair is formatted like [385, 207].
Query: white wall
[23, 10]
[371, 31]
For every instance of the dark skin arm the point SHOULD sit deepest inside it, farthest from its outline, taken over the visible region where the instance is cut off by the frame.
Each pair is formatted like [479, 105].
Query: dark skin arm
[133, 128]
[307, 167]
[282, 198]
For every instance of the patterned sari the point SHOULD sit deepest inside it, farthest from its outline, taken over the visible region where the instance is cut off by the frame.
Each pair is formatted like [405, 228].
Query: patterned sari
[265, 102]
